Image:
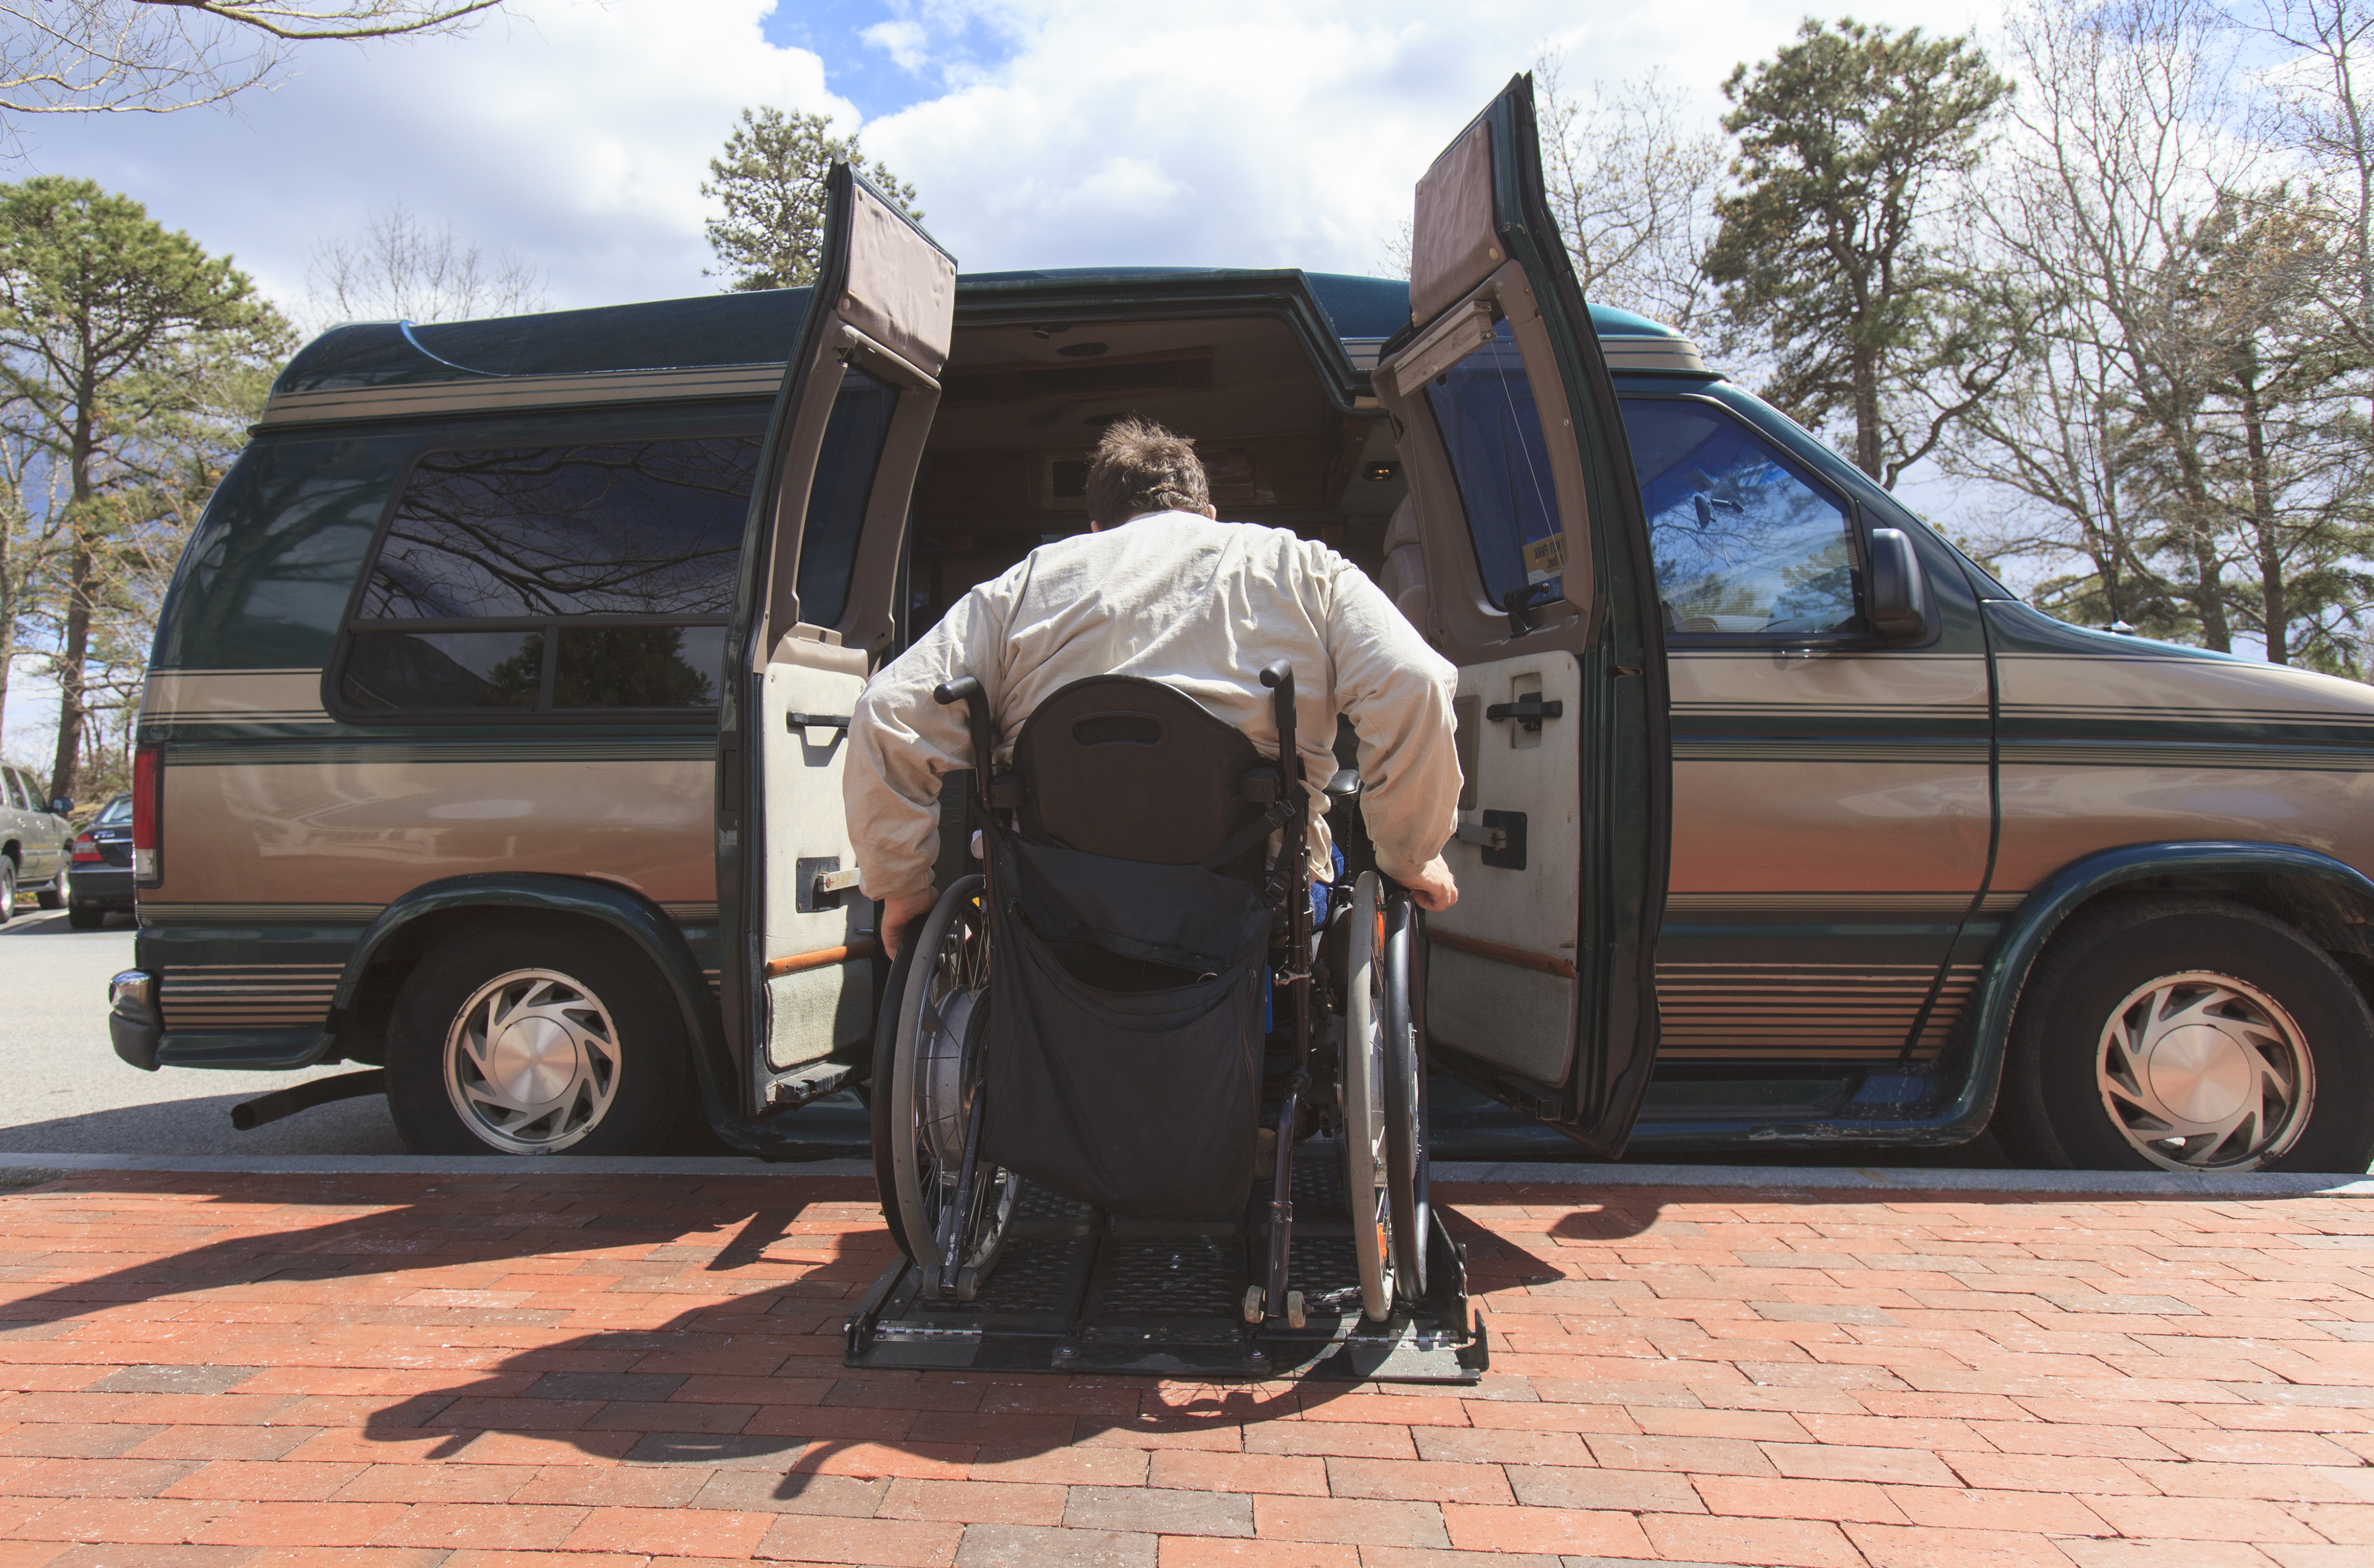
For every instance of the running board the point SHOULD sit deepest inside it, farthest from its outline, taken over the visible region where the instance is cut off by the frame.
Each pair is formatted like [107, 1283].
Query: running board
[1075, 1289]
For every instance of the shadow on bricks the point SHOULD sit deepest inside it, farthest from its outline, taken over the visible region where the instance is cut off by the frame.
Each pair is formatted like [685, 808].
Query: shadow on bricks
[725, 1301]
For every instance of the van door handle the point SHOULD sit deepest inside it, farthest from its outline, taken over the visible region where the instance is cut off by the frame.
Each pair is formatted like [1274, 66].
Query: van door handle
[827, 884]
[1484, 838]
[1528, 710]
[815, 721]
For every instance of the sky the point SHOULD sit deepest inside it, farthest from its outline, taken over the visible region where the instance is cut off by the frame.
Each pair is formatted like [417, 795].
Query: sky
[574, 134]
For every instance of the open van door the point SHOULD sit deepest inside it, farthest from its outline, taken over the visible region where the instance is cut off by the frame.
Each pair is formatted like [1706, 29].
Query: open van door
[1541, 984]
[813, 613]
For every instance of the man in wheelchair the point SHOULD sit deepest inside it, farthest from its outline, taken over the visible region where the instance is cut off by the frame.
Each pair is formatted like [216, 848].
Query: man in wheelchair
[1141, 707]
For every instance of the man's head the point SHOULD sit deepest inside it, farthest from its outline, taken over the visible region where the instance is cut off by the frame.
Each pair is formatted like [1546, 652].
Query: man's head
[1141, 467]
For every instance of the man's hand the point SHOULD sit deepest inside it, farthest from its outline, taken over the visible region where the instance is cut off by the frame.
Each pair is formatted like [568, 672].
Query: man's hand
[1432, 886]
[904, 912]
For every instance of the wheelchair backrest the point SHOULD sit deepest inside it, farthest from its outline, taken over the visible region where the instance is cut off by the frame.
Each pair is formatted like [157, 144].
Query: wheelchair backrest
[1129, 768]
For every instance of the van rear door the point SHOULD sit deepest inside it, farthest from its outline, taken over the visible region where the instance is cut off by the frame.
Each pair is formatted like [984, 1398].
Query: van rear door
[1541, 984]
[813, 614]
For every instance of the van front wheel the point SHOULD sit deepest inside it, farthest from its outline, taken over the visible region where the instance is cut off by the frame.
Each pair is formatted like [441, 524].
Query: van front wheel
[2189, 1034]
[533, 1041]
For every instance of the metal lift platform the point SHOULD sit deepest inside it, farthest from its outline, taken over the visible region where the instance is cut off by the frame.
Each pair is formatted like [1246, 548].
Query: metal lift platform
[1077, 1289]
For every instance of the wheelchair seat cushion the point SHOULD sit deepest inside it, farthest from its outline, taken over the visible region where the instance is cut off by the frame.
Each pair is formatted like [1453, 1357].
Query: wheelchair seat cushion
[1142, 1102]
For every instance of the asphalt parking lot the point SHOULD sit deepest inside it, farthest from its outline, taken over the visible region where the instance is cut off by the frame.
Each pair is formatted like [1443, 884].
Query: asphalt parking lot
[65, 1093]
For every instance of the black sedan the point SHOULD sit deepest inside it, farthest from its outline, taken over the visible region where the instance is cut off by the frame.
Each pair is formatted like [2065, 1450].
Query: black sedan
[101, 867]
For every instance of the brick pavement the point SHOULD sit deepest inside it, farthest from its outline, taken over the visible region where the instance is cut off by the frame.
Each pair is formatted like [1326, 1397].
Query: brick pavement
[597, 1372]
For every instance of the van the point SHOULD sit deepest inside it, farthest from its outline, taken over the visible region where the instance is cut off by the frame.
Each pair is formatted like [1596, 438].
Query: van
[494, 731]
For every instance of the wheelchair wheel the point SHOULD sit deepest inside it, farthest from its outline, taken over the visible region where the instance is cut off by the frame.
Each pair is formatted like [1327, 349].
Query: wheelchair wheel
[935, 1075]
[1404, 1085]
[1366, 1177]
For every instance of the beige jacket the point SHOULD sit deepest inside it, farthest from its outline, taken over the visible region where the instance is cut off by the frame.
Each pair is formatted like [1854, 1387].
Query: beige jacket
[1196, 604]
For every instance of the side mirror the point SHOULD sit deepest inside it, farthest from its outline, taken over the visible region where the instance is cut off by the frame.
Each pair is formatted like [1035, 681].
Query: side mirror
[59, 806]
[1899, 592]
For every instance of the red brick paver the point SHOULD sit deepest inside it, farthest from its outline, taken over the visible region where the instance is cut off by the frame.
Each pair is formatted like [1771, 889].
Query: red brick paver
[592, 1371]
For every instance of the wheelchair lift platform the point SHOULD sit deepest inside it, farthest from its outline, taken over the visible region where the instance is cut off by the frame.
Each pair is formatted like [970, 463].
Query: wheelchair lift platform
[1077, 1289]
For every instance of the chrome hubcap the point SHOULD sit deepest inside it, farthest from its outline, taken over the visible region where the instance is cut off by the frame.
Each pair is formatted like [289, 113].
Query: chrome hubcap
[2203, 1072]
[532, 1061]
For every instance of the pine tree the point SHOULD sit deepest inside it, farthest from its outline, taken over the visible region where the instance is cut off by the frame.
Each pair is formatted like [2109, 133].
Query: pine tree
[771, 183]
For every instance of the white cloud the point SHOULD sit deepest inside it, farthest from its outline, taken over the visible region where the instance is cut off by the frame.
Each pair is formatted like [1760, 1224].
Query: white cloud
[904, 42]
[575, 133]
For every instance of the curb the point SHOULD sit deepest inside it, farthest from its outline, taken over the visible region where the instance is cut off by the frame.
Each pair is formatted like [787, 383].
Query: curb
[1752, 1178]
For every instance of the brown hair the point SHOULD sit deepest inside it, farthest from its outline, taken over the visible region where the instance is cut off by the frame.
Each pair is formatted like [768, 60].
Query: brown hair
[1141, 467]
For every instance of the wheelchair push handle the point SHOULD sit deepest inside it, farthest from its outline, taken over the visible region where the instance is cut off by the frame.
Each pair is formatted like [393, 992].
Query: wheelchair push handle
[967, 689]
[1279, 677]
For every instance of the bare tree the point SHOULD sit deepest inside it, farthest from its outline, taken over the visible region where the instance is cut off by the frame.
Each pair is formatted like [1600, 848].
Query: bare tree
[2118, 153]
[402, 268]
[2319, 108]
[1633, 178]
[155, 56]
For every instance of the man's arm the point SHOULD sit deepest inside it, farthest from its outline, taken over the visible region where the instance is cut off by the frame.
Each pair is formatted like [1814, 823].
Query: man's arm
[1397, 692]
[901, 743]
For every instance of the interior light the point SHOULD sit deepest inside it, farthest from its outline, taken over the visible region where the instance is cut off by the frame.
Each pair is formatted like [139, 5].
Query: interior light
[1381, 473]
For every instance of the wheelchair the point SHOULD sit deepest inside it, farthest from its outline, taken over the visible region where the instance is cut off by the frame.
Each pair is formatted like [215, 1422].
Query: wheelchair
[1105, 1021]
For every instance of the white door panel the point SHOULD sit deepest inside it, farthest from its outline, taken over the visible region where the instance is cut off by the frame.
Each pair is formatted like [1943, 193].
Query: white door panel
[815, 1002]
[1500, 973]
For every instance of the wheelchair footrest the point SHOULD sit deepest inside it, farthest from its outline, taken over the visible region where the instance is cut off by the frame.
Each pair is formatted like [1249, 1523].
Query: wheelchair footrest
[1075, 1289]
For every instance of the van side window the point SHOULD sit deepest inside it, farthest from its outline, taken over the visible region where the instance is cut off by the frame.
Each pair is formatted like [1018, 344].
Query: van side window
[587, 576]
[1744, 541]
[1484, 405]
[844, 485]
[16, 796]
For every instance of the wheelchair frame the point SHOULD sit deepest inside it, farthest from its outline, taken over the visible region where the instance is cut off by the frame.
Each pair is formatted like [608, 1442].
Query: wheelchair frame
[1061, 1286]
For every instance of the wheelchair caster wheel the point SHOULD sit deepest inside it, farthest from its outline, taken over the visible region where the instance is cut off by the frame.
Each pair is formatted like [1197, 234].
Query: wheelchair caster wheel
[967, 1282]
[1294, 1318]
[1253, 1304]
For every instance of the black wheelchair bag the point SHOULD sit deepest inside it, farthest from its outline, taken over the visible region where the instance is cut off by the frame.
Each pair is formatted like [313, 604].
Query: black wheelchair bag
[1122, 1058]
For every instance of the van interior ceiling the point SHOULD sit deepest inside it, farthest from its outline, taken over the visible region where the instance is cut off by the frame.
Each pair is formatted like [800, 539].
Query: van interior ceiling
[1023, 407]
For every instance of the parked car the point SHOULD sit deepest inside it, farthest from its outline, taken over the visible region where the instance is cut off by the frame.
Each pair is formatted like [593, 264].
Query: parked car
[496, 719]
[101, 860]
[33, 835]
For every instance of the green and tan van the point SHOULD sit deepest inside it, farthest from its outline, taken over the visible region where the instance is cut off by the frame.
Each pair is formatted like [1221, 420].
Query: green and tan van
[495, 726]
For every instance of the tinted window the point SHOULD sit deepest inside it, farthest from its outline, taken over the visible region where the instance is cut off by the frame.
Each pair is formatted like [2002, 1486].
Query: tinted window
[1744, 542]
[445, 670]
[1484, 406]
[640, 528]
[597, 574]
[845, 482]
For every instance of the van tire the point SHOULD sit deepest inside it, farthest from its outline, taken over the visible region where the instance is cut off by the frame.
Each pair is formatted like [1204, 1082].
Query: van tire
[2281, 1032]
[8, 888]
[590, 1030]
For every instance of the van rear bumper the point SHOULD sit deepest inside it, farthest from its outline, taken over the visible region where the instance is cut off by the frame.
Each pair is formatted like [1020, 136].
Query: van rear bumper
[132, 1027]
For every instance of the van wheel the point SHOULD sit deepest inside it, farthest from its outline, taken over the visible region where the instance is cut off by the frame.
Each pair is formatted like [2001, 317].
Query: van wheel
[60, 893]
[8, 888]
[2189, 1034]
[533, 1041]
